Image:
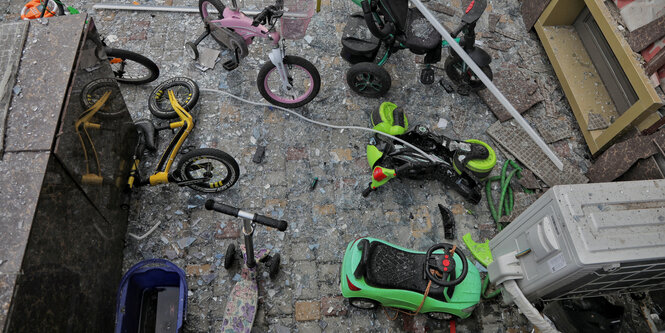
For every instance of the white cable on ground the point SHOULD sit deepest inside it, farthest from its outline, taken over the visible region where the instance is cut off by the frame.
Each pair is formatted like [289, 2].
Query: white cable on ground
[137, 237]
[527, 308]
[424, 154]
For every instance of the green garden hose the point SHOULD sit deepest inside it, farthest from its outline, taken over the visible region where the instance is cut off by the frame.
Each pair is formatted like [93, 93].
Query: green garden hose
[506, 200]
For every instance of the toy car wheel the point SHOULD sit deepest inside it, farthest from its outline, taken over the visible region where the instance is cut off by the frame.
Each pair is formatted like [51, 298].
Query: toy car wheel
[368, 79]
[273, 265]
[229, 256]
[440, 315]
[363, 303]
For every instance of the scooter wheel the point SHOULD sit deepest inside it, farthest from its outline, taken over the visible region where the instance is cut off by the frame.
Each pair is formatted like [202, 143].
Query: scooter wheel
[229, 256]
[273, 265]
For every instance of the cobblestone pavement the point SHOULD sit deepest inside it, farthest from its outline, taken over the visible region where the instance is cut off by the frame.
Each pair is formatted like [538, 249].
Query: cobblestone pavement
[305, 296]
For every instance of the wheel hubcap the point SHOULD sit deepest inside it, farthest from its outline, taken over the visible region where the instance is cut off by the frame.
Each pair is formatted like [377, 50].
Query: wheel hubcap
[366, 80]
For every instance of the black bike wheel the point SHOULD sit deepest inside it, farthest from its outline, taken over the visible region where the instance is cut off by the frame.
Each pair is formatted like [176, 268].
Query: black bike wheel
[94, 90]
[61, 8]
[130, 67]
[186, 93]
[230, 256]
[206, 5]
[453, 68]
[303, 77]
[368, 79]
[219, 167]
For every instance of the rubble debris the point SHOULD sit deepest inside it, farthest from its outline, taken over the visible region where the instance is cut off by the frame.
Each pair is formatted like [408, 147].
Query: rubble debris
[493, 21]
[207, 57]
[529, 180]
[521, 92]
[531, 11]
[185, 242]
[553, 130]
[518, 143]
[597, 122]
[640, 38]
[501, 46]
[258, 155]
[441, 8]
[617, 159]
[643, 170]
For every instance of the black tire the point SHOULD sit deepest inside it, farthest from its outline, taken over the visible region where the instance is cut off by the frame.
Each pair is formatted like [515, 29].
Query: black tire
[130, 67]
[441, 316]
[193, 165]
[186, 92]
[262, 81]
[93, 91]
[368, 79]
[363, 303]
[191, 50]
[453, 70]
[230, 256]
[219, 6]
[471, 193]
[61, 9]
[273, 265]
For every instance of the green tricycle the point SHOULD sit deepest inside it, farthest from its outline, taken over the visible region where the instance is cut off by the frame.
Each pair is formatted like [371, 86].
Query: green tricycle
[441, 283]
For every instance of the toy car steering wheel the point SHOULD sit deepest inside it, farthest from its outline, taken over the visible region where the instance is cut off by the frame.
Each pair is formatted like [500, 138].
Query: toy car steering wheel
[445, 266]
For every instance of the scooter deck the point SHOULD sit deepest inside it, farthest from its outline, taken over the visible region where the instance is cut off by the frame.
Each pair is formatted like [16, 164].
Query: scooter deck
[241, 308]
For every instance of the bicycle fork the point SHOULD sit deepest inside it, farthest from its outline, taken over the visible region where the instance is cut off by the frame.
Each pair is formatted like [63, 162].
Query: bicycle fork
[277, 58]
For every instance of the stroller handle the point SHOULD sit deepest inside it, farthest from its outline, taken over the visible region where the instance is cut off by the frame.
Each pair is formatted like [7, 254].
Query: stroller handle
[384, 33]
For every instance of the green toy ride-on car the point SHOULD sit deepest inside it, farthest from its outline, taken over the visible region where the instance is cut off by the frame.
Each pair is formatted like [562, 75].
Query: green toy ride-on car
[375, 272]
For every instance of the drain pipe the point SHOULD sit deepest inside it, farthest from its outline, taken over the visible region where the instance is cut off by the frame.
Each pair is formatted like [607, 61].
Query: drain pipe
[529, 311]
[488, 83]
[506, 270]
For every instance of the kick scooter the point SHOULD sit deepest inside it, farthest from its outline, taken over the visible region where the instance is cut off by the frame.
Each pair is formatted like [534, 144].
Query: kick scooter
[241, 306]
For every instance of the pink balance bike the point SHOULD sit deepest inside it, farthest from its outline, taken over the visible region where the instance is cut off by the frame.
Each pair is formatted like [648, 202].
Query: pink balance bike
[286, 80]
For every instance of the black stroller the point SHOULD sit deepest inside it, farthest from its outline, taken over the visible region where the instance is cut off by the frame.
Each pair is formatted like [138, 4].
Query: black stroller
[396, 26]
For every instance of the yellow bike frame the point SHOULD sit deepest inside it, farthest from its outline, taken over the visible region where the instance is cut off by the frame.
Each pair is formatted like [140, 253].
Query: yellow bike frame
[161, 174]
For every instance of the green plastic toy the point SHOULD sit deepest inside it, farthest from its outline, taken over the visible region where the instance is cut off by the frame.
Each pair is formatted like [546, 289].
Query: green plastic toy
[389, 119]
[375, 272]
[480, 251]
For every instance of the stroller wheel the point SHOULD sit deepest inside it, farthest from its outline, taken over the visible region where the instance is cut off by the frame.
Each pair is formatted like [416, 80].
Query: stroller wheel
[455, 72]
[368, 79]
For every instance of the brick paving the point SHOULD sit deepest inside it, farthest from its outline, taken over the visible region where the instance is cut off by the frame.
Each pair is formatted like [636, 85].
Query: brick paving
[305, 294]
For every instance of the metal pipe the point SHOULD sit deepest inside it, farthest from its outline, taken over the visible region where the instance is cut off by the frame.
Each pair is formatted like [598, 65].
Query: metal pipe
[171, 9]
[488, 83]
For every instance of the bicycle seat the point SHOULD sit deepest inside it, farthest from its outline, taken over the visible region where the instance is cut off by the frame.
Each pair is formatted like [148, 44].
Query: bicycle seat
[148, 132]
[473, 12]
[384, 266]
[420, 35]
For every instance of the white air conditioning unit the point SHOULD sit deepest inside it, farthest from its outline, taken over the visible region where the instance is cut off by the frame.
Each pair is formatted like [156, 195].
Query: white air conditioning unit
[585, 240]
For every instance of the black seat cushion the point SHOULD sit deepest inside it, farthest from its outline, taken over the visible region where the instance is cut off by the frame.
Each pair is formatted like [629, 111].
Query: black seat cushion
[421, 36]
[392, 268]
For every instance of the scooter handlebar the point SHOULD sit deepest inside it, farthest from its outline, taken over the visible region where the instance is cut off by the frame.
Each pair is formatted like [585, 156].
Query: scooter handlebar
[280, 225]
